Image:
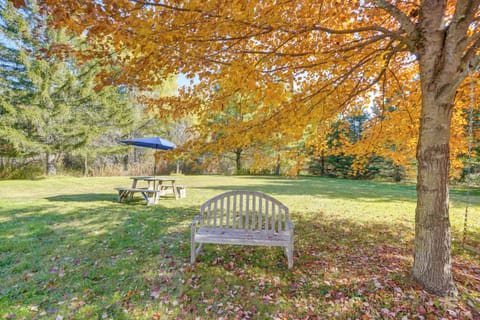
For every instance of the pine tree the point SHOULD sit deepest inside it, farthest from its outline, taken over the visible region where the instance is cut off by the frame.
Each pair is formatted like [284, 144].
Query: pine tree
[51, 104]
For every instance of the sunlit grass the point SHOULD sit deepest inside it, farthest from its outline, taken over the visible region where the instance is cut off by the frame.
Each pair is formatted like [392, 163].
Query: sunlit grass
[68, 248]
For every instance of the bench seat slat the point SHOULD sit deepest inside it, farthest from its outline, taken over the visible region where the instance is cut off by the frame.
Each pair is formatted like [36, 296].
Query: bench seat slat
[138, 190]
[244, 237]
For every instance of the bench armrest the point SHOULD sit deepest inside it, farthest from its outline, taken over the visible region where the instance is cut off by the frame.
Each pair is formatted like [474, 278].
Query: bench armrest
[195, 221]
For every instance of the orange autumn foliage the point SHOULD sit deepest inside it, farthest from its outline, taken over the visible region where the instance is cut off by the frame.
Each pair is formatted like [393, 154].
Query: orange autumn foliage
[298, 63]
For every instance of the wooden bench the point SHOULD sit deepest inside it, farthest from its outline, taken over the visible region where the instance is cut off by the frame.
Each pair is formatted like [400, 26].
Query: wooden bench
[149, 195]
[177, 190]
[244, 218]
[181, 191]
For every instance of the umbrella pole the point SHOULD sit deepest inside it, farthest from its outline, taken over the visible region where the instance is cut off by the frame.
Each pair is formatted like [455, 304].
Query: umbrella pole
[155, 161]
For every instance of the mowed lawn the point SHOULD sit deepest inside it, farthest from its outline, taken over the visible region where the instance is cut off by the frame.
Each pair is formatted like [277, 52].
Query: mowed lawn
[68, 250]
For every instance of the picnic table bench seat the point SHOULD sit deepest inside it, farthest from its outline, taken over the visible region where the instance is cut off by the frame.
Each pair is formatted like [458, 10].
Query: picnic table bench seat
[181, 191]
[243, 218]
[125, 193]
[156, 187]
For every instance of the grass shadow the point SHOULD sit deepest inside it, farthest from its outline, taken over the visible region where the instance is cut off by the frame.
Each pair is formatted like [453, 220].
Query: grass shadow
[86, 197]
[95, 255]
[367, 191]
[340, 268]
[100, 197]
[106, 259]
[331, 188]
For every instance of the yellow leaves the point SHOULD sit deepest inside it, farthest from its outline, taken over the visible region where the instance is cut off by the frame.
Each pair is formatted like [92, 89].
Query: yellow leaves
[288, 66]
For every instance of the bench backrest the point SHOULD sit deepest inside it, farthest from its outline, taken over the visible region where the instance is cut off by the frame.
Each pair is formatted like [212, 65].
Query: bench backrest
[248, 210]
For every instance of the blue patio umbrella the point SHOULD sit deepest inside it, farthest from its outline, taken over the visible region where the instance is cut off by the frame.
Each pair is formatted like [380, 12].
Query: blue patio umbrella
[156, 143]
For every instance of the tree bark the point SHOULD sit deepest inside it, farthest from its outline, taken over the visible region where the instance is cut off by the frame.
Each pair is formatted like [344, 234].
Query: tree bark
[238, 160]
[439, 50]
[85, 165]
[178, 167]
[50, 167]
[322, 161]
[432, 256]
[278, 165]
[125, 162]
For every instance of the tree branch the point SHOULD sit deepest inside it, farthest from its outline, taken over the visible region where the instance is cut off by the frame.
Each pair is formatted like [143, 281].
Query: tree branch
[340, 79]
[406, 24]
[205, 14]
[470, 61]
[169, 7]
[357, 88]
[463, 17]
[471, 55]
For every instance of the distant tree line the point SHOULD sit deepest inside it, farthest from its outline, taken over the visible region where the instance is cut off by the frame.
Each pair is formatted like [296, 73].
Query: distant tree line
[54, 111]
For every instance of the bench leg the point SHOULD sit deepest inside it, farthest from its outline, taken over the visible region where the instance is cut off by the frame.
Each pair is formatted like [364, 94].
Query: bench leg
[122, 195]
[194, 251]
[289, 253]
[146, 197]
[150, 197]
[192, 244]
[199, 249]
[180, 192]
[156, 197]
[176, 192]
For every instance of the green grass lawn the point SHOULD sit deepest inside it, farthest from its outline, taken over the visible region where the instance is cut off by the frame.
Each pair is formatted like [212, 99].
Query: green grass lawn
[68, 250]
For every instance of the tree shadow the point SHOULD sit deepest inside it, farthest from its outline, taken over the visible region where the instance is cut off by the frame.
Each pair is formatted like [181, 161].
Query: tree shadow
[367, 191]
[113, 257]
[340, 266]
[333, 190]
[86, 197]
[101, 197]
[52, 255]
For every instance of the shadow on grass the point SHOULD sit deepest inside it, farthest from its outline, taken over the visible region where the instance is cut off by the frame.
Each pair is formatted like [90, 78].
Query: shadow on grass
[337, 263]
[368, 191]
[51, 256]
[86, 197]
[132, 261]
[100, 197]
[342, 270]
[330, 188]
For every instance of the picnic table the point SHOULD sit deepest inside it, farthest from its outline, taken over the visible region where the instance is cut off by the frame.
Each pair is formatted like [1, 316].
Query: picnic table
[151, 192]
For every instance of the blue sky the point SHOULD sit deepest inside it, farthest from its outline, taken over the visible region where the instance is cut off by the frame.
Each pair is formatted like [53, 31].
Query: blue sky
[182, 80]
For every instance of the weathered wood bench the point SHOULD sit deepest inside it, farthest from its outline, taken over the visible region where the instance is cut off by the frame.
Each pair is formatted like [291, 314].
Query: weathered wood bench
[149, 195]
[244, 218]
[177, 190]
[181, 191]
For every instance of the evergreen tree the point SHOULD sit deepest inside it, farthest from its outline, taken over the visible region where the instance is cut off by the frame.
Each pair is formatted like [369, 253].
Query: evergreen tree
[50, 105]
[16, 43]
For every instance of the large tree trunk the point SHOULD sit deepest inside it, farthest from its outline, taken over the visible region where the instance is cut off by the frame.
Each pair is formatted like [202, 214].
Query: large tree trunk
[432, 258]
[278, 165]
[50, 168]
[439, 50]
[178, 171]
[85, 165]
[238, 160]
